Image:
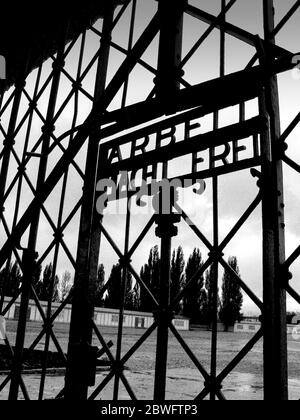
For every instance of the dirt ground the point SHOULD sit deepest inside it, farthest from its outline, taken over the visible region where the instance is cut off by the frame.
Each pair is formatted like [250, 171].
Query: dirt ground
[184, 382]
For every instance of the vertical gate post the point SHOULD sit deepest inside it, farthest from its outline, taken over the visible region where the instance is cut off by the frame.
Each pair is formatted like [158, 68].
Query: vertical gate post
[170, 50]
[79, 350]
[165, 230]
[274, 313]
[28, 264]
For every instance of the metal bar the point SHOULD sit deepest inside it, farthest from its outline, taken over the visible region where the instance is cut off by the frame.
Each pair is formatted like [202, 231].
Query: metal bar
[123, 290]
[189, 352]
[241, 221]
[131, 269]
[233, 364]
[196, 230]
[205, 35]
[274, 314]
[190, 281]
[125, 359]
[10, 138]
[292, 258]
[6, 381]
[59, 222]
[28, 264]
[130, 43]
[170, 50]
[163, 316]
[138, 344]
[240, 356]
[293, 293]
[291, 163]
[84, 131]
[18, 195]
[112, 360]
[141, 236]
[286, 18]
[230, 90]
[233, 30]
[87, 259]
[243, 285]
[47, 129]
[215, 292]
[197, 143]
[290, 128]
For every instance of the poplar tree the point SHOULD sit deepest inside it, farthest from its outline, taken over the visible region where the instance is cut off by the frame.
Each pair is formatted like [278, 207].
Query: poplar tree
[193, 294]
[114, 295]
[150, 276]
[232, 297]
[177, 275]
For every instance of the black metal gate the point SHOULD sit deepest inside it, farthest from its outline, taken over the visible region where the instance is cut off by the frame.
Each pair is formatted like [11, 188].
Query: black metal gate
[124, 80]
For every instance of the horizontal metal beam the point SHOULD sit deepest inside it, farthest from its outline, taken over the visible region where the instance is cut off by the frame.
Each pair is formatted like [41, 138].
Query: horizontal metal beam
[213, 95]
[231, 29]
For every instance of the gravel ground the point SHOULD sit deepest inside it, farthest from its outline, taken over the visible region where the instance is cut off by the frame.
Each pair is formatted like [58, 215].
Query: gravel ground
[184, 381]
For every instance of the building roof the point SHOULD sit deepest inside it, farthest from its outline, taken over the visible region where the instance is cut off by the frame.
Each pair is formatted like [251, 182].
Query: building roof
[37, 26]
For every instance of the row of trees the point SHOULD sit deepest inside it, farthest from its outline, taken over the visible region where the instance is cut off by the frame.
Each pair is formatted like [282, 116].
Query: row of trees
[198, 301]
[46, 283]
[197, 304]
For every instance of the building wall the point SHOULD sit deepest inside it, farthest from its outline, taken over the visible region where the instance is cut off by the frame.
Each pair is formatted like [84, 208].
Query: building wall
[250, 327]
[103, 316]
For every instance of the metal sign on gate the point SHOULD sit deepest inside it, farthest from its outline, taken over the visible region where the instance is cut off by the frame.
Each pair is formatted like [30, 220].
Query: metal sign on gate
[139, 162]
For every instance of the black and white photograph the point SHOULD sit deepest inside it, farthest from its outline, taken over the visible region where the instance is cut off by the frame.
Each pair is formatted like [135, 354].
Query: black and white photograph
[150, 203]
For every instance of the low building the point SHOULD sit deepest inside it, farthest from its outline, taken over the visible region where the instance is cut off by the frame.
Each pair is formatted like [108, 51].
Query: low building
[103, 317]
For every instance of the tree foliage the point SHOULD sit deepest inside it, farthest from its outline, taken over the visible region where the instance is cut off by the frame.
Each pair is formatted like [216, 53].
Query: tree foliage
[49, 281]
[232, 297]
[177, 275]
[194, 296]
[99, 299]
[150, 275]
[10, 279]
[65, 285]
[114, 295]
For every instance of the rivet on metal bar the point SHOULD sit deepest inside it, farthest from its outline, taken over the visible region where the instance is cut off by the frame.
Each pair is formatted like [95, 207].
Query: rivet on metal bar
[77, 85]
[166, 225]
[58, 235]
[286, 276]
[20, 84]
[8, 142]
[118, 367]
[216, 254]
[48, 327]
[32, 104]
[125, 261]
[165, 313]
[48, 129]
[58, 64]
[22, 168]
[256, 174]
[280, 149]
[211, 385]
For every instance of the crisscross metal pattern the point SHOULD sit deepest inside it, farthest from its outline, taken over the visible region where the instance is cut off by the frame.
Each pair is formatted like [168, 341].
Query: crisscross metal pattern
[55, 123]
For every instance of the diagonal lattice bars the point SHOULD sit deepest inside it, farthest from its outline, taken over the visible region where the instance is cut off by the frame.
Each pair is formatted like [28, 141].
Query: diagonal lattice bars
[44, 121]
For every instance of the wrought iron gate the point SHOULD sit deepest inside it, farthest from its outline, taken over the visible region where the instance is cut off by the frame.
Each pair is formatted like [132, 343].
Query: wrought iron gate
[124, 79]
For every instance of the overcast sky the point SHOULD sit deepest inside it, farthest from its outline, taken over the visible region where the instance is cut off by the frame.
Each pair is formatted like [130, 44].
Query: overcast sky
[236, 191]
